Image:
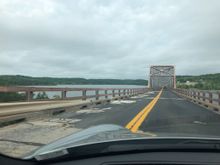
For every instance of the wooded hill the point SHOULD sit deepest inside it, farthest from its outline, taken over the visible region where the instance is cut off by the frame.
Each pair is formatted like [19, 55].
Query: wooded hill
[26, 80]
[208, 81]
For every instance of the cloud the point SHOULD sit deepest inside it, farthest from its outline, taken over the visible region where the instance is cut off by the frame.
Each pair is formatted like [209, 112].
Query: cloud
[108, 39]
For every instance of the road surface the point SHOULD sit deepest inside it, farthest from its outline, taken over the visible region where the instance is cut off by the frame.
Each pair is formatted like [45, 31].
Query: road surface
[156, 113]
[168, 115]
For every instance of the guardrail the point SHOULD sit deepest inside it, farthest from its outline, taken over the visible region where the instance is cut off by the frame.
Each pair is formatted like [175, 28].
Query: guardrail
[210, 98]
[84, 92]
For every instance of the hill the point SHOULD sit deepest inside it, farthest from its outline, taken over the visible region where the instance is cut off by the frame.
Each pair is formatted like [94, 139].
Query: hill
[7, 80]
[207, 81]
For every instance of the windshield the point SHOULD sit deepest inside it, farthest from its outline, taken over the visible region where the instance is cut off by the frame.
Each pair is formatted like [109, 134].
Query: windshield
[74, 73]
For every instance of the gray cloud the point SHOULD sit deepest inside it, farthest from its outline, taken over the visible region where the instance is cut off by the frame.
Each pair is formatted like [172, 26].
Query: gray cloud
[108, 39]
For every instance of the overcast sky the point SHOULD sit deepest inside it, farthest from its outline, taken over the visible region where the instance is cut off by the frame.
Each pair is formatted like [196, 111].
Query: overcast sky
[108, 38]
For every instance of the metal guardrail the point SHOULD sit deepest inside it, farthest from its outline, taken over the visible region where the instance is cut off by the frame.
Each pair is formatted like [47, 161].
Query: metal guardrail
[107, 92]
[209, 98]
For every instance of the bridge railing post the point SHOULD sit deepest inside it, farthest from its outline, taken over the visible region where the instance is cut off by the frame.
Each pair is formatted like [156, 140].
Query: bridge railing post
[218, 98]
[191, 94]
[130, 92]
[187, 92]
[203, 95]
[84, 94]
[63, 94]
[194, 94]
[210, 97]
[97, 94]
[113, 93]
[119, 92]
[106, 94]
[29, 95]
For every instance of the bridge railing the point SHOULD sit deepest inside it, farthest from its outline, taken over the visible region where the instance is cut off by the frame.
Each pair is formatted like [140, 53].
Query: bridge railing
[106, 92]
[209, 98]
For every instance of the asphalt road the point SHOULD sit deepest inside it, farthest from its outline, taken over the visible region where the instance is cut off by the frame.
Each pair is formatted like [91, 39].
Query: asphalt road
[173, 114]
[167, 115]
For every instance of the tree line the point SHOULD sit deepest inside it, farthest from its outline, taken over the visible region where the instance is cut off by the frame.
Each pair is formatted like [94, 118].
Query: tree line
[203, 82]
[6, 80]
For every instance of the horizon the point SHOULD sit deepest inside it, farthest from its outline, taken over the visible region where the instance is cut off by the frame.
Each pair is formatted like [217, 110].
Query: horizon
[100, 78]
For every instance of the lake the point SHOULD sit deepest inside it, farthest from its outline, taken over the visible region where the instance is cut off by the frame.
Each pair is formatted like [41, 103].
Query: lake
[79, 93]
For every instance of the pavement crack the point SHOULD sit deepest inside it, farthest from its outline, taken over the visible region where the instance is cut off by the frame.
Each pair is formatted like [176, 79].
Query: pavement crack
[21, 142]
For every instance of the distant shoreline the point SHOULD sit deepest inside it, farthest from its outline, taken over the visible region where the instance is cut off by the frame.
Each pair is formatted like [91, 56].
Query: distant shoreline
[206, 82]
[9, 80]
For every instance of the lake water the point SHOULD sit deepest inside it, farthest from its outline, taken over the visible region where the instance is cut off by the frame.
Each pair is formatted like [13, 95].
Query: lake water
[79, 93]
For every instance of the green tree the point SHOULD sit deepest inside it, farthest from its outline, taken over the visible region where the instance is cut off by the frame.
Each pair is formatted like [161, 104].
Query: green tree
[42, 95]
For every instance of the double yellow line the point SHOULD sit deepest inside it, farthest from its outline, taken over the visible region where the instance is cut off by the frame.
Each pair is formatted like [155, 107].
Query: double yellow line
[136, 122]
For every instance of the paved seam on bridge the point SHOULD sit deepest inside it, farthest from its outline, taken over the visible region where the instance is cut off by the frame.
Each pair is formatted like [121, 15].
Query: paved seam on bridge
[136, 122]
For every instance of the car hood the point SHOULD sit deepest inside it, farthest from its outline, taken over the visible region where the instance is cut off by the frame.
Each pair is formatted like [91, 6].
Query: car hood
[100, 134]
[95, 134]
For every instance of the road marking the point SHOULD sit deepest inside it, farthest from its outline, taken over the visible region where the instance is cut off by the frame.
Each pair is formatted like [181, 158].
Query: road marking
[199, 122]
[123, 101]
[136, 122]
[150, 134]
[166, 98]
[147, 133]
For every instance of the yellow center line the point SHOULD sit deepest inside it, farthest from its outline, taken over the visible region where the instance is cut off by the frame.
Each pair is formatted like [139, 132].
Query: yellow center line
[136, 122]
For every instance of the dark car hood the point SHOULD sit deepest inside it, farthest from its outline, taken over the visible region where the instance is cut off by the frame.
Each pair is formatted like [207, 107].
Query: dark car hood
[100, 134]
[96, 134]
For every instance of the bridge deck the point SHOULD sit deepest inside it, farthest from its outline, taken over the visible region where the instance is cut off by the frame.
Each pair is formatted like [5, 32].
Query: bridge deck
[165, 114]
[171, 114]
